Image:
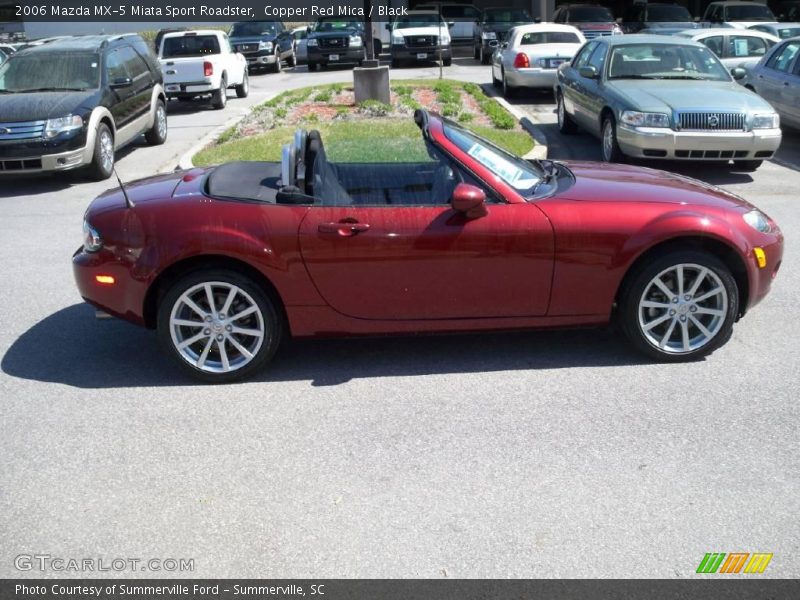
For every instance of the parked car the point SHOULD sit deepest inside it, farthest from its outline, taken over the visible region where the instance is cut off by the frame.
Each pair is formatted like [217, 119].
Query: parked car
[657, 17]
[492, 29]
[201, 64]
[776, 78]
[738, 13]
[462, 16]
[73, 102]
[652, 96]
[2, 57]
[734, 47]
[592, 19]
[780, 30]
[333, 40]
[420, 35]
[471, 238]
[532, 54]
[264, 44]
[786, 12]
[300, 34]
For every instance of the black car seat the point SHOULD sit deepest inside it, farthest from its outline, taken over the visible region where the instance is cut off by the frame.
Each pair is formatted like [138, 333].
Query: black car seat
[326, 184]
[444, 182]
[313, 146]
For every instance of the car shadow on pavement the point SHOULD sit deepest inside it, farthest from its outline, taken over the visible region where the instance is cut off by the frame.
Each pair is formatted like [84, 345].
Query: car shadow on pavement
[71, 347]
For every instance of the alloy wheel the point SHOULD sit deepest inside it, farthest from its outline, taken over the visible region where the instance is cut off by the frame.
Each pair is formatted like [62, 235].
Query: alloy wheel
[608, 141]
[106, 151]
[161, 121]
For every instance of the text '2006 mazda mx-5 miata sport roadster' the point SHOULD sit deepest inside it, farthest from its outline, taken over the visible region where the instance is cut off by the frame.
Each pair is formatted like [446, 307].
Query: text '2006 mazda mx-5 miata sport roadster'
[454, 235]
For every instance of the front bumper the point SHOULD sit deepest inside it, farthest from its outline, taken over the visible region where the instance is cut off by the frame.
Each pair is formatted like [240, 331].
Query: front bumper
[262, 57]
[651, 142]
[534, 77]
[43, 163]
[421, 53]
[325, 56]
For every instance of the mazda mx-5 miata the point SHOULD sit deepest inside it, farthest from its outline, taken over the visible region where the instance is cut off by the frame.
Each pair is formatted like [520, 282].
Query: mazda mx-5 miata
[454, 234]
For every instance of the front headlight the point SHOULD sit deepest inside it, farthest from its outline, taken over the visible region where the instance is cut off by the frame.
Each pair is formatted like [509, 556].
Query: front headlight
[758, 221]
[767, 121]
[445, 39]
[61, 125]
[397, 38]
[265, 46]
[355, 41]
[92, 242]
[489, 35]
[643, 119]
[312, 42]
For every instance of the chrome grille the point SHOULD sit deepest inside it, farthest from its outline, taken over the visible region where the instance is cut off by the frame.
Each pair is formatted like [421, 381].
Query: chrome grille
[711, 121]
[419, 41]
[247, 48]
[334, 42]
[28, 130]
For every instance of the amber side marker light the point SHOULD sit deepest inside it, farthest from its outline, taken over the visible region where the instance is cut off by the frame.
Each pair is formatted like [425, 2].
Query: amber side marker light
[761, 258]
[104, 279]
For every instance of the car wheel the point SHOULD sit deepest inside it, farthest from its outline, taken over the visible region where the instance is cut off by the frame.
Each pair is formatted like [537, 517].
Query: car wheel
[103, 158]
[312, 66]
[476, 52]
[218, 325]
[157, 134]
[243, 89]
[377, 48]
[565, 123]
[747, 165]
[611, 151]
[508, 89]
[680, 307]
[447, 61]
[277, 67]
[292, 60]
[395, 64]
[484, 58]
[219, 99]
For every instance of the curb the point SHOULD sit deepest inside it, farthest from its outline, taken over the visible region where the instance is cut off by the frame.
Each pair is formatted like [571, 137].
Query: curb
[539, 151]
[185, 161]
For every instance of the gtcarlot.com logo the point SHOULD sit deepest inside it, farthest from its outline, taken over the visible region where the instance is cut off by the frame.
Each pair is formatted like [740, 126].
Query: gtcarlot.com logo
[735, 562]
[62, 564]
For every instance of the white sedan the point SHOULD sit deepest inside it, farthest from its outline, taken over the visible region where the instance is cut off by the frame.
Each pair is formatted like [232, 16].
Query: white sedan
[531, 55]
[734, 47]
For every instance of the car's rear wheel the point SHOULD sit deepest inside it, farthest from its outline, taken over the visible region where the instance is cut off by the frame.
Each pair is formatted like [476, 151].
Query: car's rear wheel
[157, 134]
[312, 66]
[484, 57]
[219, 99]
[610, 147]
[395, 63]
[103, 157]
[476, 52]
[508, 89]
[218, 325]
[680, 307]
[565, 123]
[747, 165]
[292, 60]
[243, 89]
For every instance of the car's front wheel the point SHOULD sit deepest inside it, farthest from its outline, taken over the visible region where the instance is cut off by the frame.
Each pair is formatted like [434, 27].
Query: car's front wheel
[277, 67]
[680, 307]
[219, 99]
[157, 134]
[611, 150]
[218, 325]
[103, 157]
[243, 89]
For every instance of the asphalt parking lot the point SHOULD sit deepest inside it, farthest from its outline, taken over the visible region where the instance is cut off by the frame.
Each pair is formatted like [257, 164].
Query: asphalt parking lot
[558, 454]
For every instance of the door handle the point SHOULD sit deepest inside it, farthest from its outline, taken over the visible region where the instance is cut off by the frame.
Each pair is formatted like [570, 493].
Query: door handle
[343, 228]
[786, 83]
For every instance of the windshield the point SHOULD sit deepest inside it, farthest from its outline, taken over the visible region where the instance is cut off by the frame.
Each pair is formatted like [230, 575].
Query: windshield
[518, 173]
[507, 15]
[668, 14]
[664, 61]
[254, 29]
[419, 20]
[190, 45]
[748, 12]
[590, 14]
[50, 71]
[787, 32]
[324, 25]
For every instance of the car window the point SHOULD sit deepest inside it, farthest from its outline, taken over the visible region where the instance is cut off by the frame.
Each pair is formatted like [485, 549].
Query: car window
[255, 29]
[583, 56]
[744, 46]
[190, 45]
[713, 43]
[598, 57]
[53, 70]
[788, 32]
[748, 12]
[590, 14]
[115, 66]
[134, 63]
[782, 59]
[665, 61]
[668, 13]
[532, 38]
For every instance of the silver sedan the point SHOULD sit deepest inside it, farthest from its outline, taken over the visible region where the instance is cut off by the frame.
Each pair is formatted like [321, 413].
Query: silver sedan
[777, 79]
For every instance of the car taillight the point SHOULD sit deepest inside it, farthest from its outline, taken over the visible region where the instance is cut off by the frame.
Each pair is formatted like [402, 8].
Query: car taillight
[208, 69]
[521, 61]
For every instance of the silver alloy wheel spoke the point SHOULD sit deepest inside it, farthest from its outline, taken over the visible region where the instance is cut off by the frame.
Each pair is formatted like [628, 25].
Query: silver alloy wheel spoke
[665, 340]
[201, 360]
[244, 313]
[250, 332]
[210, 298]
[226, 307]
[226, 366]
[708, 295]
[700, 277]
[188, 323]
[657, 322]
[191, 304]
[685, 335]
[192, 340]
[669, 293]
[709, 311]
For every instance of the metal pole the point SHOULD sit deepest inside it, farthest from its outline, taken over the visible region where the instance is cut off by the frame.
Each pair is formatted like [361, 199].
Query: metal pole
[439, 43]
[368, 26]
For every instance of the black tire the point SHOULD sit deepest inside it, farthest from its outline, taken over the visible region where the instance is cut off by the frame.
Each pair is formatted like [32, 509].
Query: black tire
[277, 67]
[747, 166]
[485, 58]
[157, 134]
[565, 123]
[395, 64]
[101, 168]
[265, 318]
[638, 283]
[476, 52]
[508, 89]
[243, 89]
[292, 60]
[611, 152]
[219, 99]
[377, 48]
[447, 61]
[312, 66]
[495, 81]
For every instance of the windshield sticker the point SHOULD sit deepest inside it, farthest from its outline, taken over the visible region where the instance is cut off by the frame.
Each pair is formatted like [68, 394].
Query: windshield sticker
[507, 171]
[740, 47]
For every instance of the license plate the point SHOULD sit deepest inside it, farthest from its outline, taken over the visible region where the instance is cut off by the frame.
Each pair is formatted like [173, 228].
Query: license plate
[333, 57]
[173, 88]
[555, 62]
[422, 55]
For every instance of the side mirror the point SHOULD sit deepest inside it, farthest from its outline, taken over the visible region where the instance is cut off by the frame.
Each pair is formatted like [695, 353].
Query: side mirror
[121, 82]
[738, 72]
[469, 200]
[588, 72]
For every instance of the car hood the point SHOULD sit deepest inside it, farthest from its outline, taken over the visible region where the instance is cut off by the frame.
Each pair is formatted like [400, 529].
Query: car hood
[612, 182]
[662, 95]
[37, 106]
[253, 39]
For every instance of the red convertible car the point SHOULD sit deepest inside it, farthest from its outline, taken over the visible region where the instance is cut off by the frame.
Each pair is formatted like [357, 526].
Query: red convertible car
[453, 235]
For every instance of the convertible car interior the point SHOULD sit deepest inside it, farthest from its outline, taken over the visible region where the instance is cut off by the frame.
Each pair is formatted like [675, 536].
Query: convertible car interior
[306, 176]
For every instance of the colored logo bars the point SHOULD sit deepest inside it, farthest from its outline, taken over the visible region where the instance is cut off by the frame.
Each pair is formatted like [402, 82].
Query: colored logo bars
[714, 562]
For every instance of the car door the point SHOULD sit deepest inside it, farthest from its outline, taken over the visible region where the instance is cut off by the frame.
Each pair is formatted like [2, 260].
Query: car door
[402, 253]
[142, 78]
[574, 88]
[774, 80]
[791, 95]
[592, 98]
[123, 105]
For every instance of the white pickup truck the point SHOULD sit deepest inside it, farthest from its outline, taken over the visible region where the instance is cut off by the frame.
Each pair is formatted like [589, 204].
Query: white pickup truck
[202, 63]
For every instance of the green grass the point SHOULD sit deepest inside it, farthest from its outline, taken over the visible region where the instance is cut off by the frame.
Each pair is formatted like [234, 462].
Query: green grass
[353, 141]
